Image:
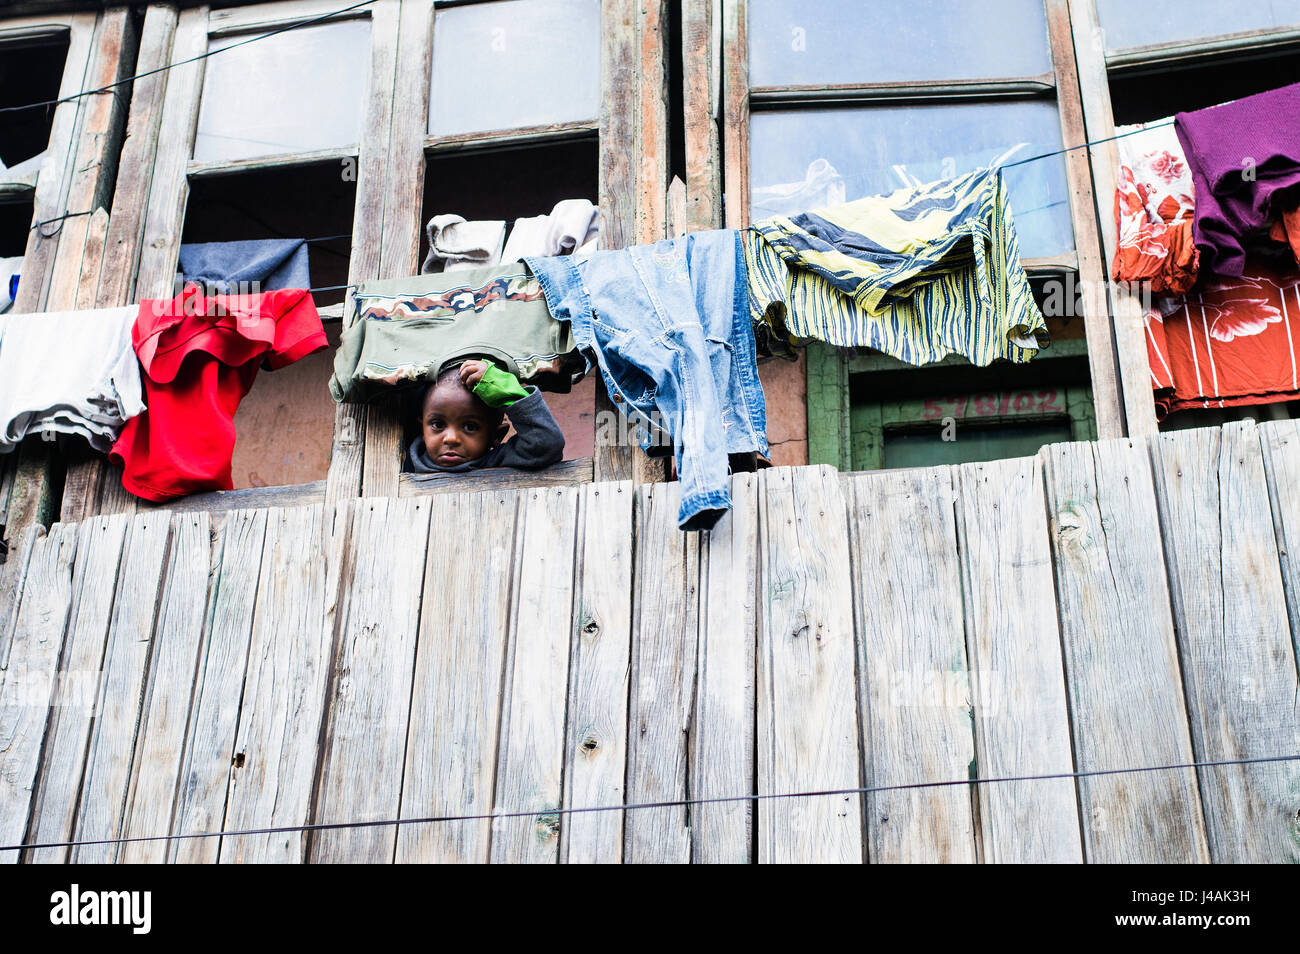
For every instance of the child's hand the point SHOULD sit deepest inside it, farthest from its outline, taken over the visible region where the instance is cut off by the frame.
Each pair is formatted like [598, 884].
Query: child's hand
[471, 373]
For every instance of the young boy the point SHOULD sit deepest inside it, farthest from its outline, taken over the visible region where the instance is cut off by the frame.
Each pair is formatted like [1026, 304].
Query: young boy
[462, 423]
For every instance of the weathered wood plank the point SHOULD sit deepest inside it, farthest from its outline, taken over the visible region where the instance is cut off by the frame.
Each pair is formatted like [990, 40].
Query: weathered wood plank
[1102, 367]
[99, 554]
[246, 498]
[352, 470]
[456, 702]
[595, 755]
[126, 658]
[169, 689]
[12, 573]
[701, 31]
[665, 627]
[1013, 643]
[722, 736]
[914, 677]
[1238, 660]
[51, 199]
[136, 164]
[1280, 442]
[564, 474]
[735, 92]
[808, 736]
[169, 189]
[275, 751]
[370, 692]
[218, 686]
[536, 680]
[27, 678]
[1121, 659]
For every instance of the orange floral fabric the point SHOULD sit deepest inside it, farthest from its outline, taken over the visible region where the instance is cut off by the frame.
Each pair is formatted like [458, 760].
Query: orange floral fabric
[1154, 210]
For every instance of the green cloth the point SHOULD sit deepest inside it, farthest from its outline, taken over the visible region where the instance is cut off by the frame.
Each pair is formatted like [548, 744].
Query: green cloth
[499, 388]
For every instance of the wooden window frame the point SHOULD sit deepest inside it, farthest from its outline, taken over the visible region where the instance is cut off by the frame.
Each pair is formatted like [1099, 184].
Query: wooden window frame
[827, 433]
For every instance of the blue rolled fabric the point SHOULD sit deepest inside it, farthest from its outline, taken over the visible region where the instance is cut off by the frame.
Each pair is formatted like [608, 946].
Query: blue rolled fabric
[222, 266]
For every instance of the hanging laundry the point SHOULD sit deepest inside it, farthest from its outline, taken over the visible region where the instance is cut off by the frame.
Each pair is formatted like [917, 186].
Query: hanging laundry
[200, 355]
[407, 329]
[10, 268]
[455, 243]
[1235, 341]
[71, 372]
[1245, 163]
[918, 274]
[822, 187]
[231, 268]
[1154, 210]
[572, 227]
[668, 325]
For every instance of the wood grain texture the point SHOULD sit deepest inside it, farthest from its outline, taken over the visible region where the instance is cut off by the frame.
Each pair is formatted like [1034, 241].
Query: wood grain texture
[665, 626]
[1129, 322]
[352, 471]
[94, 583]
[1121, 658]
[722, 737]
[1102, 367]
[531, 759]
[218, 686]
[456, 700]
[701, 24]
[169, 189]
[27, 681]
[735, 130]
[136, 163]
[165, 709]
[111, 753]
[1280, 443]
[808, 736]
[595, 754]
[913, 673]
[1238, 659]
[1013, 644]
[370, 691]
[275, 751]
[564, 474]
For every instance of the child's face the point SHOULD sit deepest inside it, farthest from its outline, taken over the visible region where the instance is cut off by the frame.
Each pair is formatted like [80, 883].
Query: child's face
[456, 426]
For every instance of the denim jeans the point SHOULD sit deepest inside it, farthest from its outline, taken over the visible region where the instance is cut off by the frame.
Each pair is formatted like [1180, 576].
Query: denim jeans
[669, 326]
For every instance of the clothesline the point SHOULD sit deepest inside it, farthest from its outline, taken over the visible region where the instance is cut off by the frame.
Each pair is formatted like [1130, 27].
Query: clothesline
[673, 803]
[192, 59]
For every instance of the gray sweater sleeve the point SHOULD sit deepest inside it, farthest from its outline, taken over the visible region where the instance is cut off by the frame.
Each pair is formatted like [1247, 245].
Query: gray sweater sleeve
[538, 441]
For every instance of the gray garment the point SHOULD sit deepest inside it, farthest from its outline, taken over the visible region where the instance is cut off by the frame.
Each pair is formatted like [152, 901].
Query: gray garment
[222, 266]
[538, 442]
[455, 244]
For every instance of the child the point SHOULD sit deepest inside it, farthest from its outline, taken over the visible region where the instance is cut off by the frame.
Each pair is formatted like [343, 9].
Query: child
[462, 423]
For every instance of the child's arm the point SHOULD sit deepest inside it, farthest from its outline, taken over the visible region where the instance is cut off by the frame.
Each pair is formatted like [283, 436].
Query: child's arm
[538, 440]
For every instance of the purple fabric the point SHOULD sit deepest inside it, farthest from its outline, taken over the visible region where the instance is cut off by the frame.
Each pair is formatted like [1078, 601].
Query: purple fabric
[1260, 132]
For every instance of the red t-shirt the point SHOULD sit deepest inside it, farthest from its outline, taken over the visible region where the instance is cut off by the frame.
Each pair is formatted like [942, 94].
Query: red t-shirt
[200, 356]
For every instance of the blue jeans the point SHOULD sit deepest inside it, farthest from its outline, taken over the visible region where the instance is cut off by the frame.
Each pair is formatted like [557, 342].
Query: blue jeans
[669, 326]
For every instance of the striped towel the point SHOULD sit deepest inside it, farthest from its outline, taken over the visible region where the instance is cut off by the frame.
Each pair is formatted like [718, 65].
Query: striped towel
[919, 274]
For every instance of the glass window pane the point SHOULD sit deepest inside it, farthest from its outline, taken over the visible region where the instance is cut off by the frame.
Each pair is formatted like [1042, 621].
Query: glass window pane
[1128, 24]
[894, 41]
[809, 159]
[297, 91]
[514, 64]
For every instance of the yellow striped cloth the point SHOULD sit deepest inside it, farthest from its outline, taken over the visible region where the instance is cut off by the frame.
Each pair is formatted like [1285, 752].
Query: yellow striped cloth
[918, 274]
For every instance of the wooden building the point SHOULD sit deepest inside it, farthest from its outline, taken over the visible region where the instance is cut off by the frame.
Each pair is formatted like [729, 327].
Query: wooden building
[1071, 596]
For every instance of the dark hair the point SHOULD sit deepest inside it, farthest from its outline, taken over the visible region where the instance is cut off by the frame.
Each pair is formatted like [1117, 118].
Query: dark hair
[450, 377]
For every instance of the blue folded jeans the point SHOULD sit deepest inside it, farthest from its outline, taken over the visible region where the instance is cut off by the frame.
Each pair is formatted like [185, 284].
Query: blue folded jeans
[669, 326]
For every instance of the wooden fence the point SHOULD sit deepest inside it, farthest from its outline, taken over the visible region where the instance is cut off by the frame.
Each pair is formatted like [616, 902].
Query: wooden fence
[1102, 606]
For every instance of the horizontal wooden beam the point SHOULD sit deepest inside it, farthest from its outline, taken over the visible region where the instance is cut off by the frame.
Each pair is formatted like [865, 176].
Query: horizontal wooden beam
[564, 474]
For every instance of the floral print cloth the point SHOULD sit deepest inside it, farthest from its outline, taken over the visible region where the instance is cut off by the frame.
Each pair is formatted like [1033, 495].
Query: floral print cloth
[1233, 342]
[1154, 210]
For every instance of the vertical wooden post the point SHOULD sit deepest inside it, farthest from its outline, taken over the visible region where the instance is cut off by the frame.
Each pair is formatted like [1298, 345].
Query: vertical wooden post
[700, 95]
[735, 94]
[1083, 213]
[1130, 322]
[633, 176]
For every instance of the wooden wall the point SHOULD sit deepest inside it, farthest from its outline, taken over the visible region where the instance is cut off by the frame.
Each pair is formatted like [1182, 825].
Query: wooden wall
[1100, 606]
